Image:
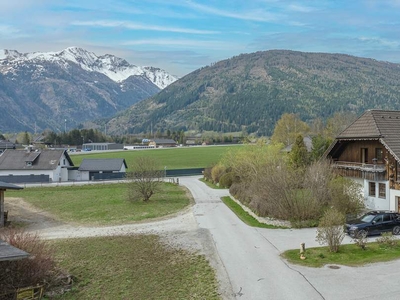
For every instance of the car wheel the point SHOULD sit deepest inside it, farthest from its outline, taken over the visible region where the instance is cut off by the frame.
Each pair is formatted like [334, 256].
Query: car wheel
[396, 230]
[362, 233]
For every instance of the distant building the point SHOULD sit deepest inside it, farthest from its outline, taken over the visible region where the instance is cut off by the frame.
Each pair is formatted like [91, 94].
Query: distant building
[6, 145]
[101, 146]
[160, 143]
[34, 166]
[102, 169]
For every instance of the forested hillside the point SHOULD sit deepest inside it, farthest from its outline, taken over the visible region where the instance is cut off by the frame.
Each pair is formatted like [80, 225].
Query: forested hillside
[251, 91]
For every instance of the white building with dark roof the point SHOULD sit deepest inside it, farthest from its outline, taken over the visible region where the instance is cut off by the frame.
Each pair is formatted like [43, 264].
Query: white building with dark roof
[37, 165]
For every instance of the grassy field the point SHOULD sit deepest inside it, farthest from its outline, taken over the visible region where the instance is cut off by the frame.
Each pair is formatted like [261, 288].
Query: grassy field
[172, 158]
[348, 255]
[134, 267]
[103, 204]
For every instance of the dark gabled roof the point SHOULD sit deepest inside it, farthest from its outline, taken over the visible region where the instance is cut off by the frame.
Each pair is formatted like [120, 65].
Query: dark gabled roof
[41, 160]
[8, 252]
[382, 125]
[9, 186]
[102, 164]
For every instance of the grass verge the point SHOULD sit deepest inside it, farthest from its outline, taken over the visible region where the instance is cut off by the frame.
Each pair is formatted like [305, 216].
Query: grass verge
[103, 204]
[348, 255]
[243, 215]
[134, 267]
[211, 185]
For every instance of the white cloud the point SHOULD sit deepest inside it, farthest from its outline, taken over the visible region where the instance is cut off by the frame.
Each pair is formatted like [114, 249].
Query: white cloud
[380, 41]
[136, 26]
[301, 8]
[186, 43]
[258, 15]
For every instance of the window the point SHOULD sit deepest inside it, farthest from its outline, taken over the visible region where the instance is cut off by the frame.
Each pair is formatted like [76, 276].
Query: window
[379, 154]
[372, 186]
[382, 190]
[386, 217]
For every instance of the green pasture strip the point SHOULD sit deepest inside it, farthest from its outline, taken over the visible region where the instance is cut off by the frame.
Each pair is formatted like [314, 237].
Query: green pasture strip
[103, 204]
[244, 216]
[133, 267]
[348, 255]
[172, 158]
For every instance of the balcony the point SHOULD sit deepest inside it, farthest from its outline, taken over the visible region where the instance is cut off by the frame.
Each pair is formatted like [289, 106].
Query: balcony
[360, 170]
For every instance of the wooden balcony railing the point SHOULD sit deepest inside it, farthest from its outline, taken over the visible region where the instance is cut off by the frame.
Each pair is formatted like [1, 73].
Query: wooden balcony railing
[360, 166]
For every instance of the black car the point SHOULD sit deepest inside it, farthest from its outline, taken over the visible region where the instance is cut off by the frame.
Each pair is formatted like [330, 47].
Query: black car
[374, 222]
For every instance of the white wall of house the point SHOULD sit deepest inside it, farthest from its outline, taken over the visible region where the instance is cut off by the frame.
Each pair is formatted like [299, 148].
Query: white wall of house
[84, 175]
[376, 202]
[394, 205]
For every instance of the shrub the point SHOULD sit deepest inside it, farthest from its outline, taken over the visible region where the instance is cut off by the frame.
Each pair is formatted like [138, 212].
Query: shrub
[387, 240]
[226, 180]
[216, 172]
[38, 269]
[330, 230]
[361, 241]
[207, 174]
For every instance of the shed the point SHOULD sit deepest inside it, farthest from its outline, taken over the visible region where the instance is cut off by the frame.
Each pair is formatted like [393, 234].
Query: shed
[102, 168]
[8, 252]
[3, 187]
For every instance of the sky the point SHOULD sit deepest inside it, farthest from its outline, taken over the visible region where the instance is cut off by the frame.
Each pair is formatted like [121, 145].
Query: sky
[181, 36]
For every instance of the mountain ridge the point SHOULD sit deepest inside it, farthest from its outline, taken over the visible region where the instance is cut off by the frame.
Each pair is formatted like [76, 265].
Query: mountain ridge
[42, 90]
[250, 92]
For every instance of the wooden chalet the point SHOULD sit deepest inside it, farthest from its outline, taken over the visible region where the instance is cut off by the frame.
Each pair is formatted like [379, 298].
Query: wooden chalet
[368, 151]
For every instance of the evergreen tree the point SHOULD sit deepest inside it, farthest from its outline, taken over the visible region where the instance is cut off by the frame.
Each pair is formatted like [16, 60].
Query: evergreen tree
[299, 156]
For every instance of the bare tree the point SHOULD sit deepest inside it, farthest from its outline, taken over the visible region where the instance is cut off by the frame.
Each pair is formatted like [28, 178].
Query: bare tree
[144, 179]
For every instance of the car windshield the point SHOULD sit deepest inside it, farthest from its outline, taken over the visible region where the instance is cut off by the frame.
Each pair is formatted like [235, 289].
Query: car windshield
[367, 218]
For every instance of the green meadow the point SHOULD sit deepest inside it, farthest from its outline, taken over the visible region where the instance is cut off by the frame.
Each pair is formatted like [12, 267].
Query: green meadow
[172, 158]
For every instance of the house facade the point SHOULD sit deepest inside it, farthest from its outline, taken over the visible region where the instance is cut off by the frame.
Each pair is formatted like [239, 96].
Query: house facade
[368, 152]
[34, 166]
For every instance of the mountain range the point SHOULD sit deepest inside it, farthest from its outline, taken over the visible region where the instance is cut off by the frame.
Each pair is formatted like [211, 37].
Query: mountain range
[58, 90]
[250, 92]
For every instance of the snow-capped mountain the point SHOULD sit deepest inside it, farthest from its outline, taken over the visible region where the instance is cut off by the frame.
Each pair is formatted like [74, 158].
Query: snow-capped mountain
[41, 90]
[117, 69]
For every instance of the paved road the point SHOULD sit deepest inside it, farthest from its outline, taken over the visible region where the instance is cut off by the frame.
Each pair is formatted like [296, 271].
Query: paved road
[256, 271]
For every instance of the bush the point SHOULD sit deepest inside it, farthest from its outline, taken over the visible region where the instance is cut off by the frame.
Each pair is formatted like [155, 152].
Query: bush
[361, 241]
[207, 174]
[226, 180]
[330, 230]
[216, 173]
[387, 240]
[38, 269]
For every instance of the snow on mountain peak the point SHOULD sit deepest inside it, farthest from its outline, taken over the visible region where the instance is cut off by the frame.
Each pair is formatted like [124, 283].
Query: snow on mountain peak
[115, 68]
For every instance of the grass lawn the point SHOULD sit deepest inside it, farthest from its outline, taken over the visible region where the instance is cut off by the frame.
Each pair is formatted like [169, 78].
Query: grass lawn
[211, 185]
[172, 158]
[348, 255]
[103, 204]
[134, 267]
[243, 215]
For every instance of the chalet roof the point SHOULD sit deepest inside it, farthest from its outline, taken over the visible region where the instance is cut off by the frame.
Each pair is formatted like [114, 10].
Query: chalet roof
[9, 186]
[100, 164]
[8, 252]
[382, 125]
[24, 160]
